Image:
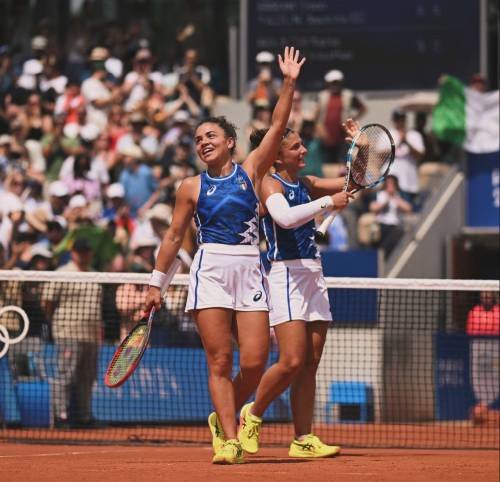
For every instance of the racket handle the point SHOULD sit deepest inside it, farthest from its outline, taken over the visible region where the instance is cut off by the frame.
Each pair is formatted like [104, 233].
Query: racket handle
[326, 222]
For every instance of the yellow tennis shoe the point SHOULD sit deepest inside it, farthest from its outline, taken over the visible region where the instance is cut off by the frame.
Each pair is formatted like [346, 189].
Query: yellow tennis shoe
[218, 436]
[249, 431]
[312, 447]
[230, 453]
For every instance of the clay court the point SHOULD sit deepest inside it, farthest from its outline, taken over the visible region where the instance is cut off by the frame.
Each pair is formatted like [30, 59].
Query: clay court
[43, 463]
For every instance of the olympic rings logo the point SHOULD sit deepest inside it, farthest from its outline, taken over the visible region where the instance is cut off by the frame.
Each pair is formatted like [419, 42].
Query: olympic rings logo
[5, 338]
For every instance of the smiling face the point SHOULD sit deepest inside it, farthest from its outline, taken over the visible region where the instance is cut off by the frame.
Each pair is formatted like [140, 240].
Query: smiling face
[292, 154]
[213, 146]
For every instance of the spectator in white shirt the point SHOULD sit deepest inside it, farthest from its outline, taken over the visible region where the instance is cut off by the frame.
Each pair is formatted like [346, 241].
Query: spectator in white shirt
[390, 208]
[135, 85]
[410, 149]
[95, 90]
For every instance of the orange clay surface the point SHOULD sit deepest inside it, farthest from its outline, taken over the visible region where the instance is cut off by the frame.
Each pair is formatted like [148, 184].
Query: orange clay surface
[73, 463]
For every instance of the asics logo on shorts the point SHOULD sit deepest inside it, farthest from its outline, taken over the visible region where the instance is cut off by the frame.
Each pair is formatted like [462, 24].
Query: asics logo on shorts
[291, 195]
[257, 296]
[211, 190]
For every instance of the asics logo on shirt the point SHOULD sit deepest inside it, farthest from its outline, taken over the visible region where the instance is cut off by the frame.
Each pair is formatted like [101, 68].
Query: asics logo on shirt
[211, 190]
[257, 296]
[242, 183]
[291, 195]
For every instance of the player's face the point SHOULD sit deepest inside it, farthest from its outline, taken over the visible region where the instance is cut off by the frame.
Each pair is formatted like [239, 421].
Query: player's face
[212, 145]
[293, 152]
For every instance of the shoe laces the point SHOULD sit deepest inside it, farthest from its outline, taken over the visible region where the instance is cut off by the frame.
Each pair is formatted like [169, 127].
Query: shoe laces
[312, 440]
[253, 429]
[233, 445]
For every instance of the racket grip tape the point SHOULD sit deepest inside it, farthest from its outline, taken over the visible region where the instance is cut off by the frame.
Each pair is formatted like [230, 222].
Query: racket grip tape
[326, 222]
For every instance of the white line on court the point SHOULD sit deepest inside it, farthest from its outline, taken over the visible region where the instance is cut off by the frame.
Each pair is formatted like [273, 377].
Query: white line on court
[57, 454]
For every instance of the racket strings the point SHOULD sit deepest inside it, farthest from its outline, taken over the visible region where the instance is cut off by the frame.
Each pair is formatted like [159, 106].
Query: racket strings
[372, 155]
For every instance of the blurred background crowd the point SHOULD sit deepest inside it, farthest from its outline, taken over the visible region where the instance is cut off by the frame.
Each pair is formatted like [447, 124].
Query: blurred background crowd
[96, 135]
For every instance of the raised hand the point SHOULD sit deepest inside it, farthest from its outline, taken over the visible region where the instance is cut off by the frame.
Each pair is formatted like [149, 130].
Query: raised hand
[289, 63]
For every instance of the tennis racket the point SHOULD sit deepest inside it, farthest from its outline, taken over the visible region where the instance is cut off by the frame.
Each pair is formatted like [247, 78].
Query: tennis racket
[368, 162]
[132, 348]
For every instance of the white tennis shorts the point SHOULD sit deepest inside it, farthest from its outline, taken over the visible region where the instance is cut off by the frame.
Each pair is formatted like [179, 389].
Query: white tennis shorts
[297, 291]
[226, 276]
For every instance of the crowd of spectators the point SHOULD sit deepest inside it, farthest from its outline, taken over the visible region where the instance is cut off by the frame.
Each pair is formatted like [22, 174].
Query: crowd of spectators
[94, 143]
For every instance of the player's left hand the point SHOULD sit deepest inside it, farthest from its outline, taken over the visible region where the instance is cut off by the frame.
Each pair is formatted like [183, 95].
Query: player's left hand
[289, 63]
[351, 129]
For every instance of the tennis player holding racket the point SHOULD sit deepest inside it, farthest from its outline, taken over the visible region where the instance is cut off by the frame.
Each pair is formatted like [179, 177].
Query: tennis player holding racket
[226, 278]
[300, 310]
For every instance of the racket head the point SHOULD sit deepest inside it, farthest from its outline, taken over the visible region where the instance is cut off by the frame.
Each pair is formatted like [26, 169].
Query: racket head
[370, 156]
[129, 353]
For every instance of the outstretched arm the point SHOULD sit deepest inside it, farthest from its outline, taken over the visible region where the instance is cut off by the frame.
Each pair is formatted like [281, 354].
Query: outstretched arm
[262, 158]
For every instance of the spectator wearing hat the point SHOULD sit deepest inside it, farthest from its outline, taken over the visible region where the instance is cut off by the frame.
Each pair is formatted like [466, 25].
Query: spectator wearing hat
[410, 150]
[160, 218]
[335, 105]
[58, 197]
[390, 208]
[56, 147]
[194, 83]
[177, 163]
[143, 245]
[96, 91]
[116, 213]
[140, 136]
[264, 89]
[75, 312]
[137, 82]
[180, 127]
[79, 179]
[138, 181]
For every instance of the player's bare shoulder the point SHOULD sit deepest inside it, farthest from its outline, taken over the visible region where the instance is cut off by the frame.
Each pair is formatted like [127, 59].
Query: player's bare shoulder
[189, 189]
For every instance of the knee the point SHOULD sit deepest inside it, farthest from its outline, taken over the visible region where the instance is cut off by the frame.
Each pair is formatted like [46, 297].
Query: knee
[292, 364]
[220, 364]
[254, 366]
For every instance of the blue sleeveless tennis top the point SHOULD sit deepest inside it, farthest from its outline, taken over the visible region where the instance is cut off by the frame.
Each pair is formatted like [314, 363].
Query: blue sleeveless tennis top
[228, 209]
[293, 243]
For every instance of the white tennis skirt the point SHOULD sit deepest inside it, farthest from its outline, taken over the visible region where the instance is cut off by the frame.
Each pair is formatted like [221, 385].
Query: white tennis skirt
[297, 291]
[227, 276]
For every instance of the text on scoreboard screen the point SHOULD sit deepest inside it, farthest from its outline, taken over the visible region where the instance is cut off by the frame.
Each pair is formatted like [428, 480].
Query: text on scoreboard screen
[378, 45]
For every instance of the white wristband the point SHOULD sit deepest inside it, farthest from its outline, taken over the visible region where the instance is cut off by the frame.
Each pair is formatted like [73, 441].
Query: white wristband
[158, 279]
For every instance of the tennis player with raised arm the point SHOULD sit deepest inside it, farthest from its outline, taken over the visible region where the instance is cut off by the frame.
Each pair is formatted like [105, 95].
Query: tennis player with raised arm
[226, 279]
[300, 310]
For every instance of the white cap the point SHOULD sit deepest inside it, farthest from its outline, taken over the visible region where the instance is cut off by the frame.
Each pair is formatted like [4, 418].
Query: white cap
[39, 42]
[89, 132]
[160, 211]
[115, 190]
[334, 76]
[12, 205]
[181, 116]
[71, 130]
[264, 57]
[32, 67]
[141, 240]
[39, 249]
[114, 66]
[77, 201]
[5, 139]
[132, 150]
[27, 82]
[58, 189]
